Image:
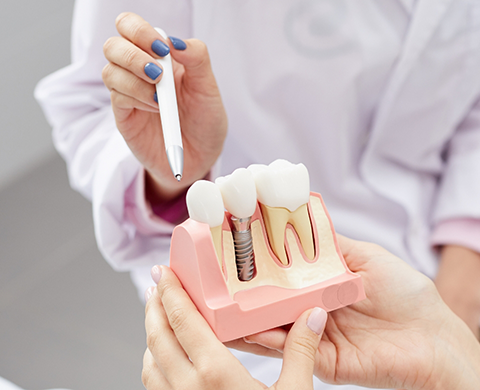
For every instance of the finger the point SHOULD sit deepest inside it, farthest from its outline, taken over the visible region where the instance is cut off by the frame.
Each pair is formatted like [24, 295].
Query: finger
[251, 347]
[123, 104]
[168, 354]
[128, 84]
[346, 244]
[130, 57]
[192, 331]
[152, 377]
[273, 339]
[138, 31]
[196, 61]
[301, 348]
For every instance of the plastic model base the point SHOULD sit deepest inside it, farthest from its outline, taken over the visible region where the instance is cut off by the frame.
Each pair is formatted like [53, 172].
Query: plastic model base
[235, 309]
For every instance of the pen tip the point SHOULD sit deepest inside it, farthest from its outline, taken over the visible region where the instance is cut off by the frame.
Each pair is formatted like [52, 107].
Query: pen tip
[178, 177]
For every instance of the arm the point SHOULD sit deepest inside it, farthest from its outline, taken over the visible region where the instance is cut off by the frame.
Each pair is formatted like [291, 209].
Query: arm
[456, 217]
[100, 163]
[458, 282]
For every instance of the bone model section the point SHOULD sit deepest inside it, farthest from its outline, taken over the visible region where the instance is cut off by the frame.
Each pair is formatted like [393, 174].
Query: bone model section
[240, 199]
[283, 190]
[205, 205]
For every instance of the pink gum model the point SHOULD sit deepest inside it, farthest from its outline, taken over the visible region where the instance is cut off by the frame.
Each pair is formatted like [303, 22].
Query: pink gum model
[194, 261]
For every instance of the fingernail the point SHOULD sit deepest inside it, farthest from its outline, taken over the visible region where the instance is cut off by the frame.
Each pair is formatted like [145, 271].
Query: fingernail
[317, 320]
[177, 43]
[156, 273]
[160, 48]
[248, 341]
[152, 70]
[149, 293]
[155, 97]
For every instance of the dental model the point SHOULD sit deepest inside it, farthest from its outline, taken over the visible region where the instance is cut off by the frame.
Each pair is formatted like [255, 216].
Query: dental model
[295, 263]
[240, 199]
[283, 190]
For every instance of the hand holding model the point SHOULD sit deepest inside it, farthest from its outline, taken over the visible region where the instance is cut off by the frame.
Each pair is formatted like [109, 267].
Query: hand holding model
[184, 353]
[131, 75]
[402, 336]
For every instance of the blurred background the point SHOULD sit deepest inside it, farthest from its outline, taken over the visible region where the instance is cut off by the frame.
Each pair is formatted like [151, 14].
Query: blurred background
[66, 318]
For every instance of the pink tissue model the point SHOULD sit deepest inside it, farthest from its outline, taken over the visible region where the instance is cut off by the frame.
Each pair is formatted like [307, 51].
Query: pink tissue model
[282, 259]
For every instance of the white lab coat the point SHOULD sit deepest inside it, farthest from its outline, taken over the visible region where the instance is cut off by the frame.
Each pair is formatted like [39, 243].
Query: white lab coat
[414, 163]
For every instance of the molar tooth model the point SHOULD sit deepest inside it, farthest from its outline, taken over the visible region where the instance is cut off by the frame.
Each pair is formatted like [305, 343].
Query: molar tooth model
[296, 260]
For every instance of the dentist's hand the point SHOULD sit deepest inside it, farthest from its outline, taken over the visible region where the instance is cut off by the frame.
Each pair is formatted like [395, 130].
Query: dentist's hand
[184, 353]
[131, 75]
[402, 336]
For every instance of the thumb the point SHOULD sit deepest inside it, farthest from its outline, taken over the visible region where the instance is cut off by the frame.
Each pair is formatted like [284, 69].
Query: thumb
[300, 349]
[193, 55]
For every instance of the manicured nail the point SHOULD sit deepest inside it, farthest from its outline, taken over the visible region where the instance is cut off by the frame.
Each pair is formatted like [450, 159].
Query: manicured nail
[155, 97]
[156, 273]
[152, 70]
[149, 293]
[317, 320]
[177, 43]
[249, 341]
[160, 48]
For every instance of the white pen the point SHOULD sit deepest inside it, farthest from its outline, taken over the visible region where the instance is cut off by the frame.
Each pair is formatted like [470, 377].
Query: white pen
[167, 103]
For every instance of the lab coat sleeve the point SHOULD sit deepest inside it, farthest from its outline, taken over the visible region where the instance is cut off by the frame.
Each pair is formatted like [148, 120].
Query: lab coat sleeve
[459, 188]
[100, 164]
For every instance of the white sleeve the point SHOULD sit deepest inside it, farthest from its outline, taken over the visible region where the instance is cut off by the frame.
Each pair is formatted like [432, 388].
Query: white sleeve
[100, 164]
[459, 192]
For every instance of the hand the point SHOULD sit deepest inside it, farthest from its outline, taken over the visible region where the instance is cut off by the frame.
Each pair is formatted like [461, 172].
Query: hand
[131, 75]
[401, 336]
[184, 353]
[457, 282]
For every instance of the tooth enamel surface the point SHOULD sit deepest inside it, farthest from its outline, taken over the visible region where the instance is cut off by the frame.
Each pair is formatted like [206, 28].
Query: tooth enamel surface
[281, 184]
[205, 205]
[283, 190]
[238, 192]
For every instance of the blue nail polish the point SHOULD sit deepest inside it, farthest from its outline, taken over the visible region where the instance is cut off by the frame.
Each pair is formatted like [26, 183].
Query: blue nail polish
[152, 70]
[178, 44]
[160, 48]
[155, 97]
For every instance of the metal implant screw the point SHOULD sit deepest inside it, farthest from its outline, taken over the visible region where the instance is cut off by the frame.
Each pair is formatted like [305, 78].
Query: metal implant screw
[243, 243]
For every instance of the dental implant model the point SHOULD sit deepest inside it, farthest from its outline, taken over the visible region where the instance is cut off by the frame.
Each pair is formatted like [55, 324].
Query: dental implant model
[240, 199]
[259, 249]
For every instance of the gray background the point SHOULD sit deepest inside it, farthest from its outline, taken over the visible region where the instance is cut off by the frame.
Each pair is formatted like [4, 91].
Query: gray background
[66, 318]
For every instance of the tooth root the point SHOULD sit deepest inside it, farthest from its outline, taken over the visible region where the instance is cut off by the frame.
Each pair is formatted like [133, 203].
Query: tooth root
[300, 220]
[217, 242]
[276, 219]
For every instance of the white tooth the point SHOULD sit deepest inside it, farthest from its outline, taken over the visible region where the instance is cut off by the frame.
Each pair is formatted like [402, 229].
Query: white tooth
[281, 184]
[283, 190]
[205, 204]
[238, 192]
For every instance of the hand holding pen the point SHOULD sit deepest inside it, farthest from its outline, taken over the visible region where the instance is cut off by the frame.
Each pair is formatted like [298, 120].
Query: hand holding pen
[131, 76]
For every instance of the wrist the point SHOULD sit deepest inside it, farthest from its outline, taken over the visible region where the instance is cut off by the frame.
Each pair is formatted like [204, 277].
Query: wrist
[161, 191]
[458, 352]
